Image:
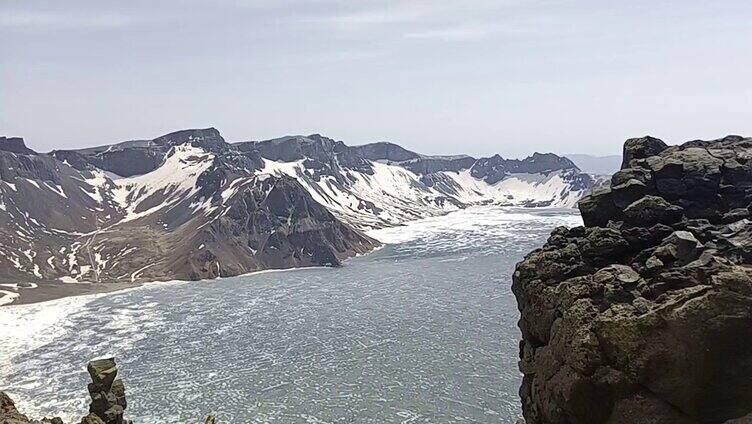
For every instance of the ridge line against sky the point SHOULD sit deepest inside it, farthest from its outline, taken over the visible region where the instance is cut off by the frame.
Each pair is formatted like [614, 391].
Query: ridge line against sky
[437, 77]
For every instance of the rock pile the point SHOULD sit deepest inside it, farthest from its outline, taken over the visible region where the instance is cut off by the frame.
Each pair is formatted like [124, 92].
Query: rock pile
[107, 393]
[107, 399]
[644, 315]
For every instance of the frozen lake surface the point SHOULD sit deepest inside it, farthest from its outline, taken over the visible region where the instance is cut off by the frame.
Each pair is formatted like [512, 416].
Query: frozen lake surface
[421, 331]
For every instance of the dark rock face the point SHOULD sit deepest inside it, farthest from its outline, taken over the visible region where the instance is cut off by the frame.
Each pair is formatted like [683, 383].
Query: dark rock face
[10, 415]
[15, 145]
[641, 148]
[645, 314]
[385, 151]
[271, 223]
[705, 181]
[139, 157]
[8, 412]
[429, 165]
[124, 160]
[107, 393]
[496, 168]
[208, 138]
[129, 162]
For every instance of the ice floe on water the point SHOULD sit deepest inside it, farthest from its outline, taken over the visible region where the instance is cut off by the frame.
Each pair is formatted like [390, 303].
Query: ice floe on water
[473, 227]
[46, 343]
[423, 330]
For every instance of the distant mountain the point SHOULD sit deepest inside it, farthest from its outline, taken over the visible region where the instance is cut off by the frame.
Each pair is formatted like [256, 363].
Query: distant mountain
[383, 184]
[189, 205]
[598, 165]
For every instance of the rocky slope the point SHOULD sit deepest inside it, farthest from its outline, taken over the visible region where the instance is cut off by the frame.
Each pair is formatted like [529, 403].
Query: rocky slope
[202, 212]
[644, 315]
[189, 205]
[10, 415]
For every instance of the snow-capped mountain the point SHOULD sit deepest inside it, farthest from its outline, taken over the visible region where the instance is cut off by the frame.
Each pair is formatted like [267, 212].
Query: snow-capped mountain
[202, 211]
[383, 184]
[189, 205]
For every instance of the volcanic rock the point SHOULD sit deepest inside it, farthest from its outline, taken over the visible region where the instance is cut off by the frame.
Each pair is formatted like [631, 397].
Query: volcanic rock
[641, 148]
[107, 393]
[645, 314]
[15, 145]
[10, 415]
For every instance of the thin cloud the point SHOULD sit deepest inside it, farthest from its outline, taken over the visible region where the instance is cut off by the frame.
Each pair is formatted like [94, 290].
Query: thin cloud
[461, 33]
[415, 19]
[22, 19]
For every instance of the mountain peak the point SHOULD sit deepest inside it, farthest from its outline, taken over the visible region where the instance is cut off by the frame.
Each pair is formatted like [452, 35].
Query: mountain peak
[384, 150]
[550, 161]
[206, 137]
[15, 145]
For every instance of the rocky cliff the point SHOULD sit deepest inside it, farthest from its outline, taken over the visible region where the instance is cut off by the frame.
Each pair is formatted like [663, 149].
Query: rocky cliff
[644, 315]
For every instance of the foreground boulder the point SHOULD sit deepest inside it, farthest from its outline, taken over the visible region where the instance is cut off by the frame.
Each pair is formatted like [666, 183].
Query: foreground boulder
[107, 400]
[645, 314]
[10, 415]
[107, 393]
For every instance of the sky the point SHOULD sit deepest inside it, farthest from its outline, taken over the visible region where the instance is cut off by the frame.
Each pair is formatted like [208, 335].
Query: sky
[438, 77]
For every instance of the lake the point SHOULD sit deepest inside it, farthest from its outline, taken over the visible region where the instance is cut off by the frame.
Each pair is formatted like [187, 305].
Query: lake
[423, 330]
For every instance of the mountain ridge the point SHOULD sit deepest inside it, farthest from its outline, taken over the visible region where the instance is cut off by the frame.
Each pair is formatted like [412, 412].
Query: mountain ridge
[189, 205]
[325, 166]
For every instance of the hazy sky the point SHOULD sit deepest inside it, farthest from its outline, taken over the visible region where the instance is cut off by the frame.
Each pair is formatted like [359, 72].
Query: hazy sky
[472, 76]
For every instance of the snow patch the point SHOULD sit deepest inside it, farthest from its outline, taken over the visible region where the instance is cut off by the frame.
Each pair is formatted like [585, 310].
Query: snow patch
[67, 279]
[32, 182]
[7, 297]
[57, 188]
[293, 169]
[175, 179]
[97, 182]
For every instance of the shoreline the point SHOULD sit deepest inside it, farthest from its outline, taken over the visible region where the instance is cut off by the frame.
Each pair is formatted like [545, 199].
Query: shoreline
[48, 291]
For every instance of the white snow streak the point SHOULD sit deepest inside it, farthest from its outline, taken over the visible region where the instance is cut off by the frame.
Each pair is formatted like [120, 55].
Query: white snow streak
[175, 180]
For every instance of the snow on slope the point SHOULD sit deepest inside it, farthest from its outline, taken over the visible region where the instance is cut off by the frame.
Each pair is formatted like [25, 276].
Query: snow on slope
[366, 194]
[393, 195]
[101, 204]
[165, 186]
[516, 189]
